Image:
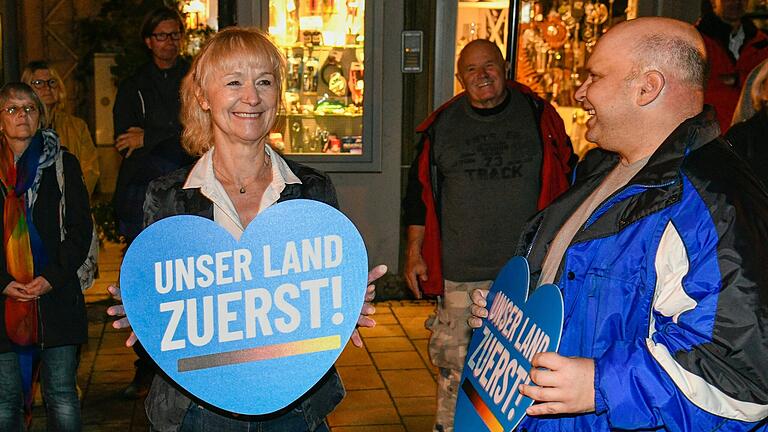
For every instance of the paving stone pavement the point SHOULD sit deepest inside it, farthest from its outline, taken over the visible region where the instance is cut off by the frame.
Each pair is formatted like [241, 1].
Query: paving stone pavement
[390, 382]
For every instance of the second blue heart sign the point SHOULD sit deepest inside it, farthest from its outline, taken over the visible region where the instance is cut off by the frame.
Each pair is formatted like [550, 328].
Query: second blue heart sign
[500, 352]
[250, 325]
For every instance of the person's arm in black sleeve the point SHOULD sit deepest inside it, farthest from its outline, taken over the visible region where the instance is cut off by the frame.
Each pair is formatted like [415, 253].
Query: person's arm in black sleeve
[413, 206]
[160, 136]
[414, 216]
[127, 111]
[128, 117]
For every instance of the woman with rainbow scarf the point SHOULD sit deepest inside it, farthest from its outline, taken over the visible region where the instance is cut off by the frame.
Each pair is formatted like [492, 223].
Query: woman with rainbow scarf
[47, 230]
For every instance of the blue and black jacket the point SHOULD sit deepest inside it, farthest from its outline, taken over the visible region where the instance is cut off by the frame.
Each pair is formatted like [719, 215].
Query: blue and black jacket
[666, 288]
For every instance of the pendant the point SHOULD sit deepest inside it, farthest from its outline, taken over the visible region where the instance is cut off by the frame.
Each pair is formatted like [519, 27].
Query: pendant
[242, 189]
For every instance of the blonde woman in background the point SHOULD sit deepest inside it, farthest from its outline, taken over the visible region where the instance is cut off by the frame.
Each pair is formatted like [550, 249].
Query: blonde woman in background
[745, 108]
[72, 131]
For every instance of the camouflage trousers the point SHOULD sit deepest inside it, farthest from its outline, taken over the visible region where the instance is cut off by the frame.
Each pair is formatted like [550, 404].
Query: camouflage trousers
[448, 345]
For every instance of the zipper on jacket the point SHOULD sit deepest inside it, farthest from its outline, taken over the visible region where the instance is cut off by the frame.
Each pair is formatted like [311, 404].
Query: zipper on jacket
[533, 241]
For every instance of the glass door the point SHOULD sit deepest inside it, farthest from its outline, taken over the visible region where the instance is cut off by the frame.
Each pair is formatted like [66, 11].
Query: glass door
[480, 20]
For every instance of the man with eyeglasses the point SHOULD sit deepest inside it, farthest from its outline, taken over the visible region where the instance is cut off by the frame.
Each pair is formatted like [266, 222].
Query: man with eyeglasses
[148, 135]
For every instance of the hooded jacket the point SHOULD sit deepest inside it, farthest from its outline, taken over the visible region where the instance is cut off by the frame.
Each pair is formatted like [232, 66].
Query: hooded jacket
[664, 286]
[422, 200]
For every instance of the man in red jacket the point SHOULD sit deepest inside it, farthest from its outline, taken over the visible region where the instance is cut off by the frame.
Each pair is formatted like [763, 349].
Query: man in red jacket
[488, 160]
[734, 47]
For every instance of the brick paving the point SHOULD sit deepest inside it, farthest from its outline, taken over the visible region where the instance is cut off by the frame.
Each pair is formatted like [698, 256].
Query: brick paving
[390, 382]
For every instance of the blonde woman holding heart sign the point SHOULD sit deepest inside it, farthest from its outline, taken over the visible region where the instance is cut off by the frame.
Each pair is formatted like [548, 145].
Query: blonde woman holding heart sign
[230, 101]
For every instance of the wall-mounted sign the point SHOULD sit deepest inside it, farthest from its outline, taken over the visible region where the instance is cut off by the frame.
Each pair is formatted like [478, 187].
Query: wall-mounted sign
[412, 51]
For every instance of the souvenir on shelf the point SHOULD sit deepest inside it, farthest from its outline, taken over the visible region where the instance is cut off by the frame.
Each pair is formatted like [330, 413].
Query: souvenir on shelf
[323, 41]
[555, 43]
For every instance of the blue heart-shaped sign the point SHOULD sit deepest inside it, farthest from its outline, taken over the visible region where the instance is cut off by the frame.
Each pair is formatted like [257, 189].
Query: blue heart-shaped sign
[500, 352]
[247, 326]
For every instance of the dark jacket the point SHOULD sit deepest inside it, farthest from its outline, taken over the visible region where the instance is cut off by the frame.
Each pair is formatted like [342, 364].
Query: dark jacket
[664, 287]
[148, 99]
[727, 75]
[167, 403]
[62, 310]
[750, 140]
[422, 199]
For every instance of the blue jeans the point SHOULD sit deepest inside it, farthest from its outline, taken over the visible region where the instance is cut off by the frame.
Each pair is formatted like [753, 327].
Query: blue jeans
[11, 397]
[199, 419]
[58, 371]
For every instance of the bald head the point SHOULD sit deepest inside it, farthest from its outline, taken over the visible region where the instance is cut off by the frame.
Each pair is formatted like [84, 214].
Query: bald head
[648, 73]
[482, 72]
[669, 46]
[480, 45]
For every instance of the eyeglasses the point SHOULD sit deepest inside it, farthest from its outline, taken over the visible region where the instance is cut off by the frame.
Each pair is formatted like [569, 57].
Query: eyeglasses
[13, 109]
[51, 83]
[163, 36]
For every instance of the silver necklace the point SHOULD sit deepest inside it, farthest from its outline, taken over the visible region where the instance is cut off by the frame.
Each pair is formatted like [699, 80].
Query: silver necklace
[243, 187]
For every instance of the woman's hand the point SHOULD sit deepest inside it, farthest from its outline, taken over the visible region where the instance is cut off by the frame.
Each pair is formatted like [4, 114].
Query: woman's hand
[478, 308]
[38, 287]
[364, 320]
[18, 292]
[119, 311]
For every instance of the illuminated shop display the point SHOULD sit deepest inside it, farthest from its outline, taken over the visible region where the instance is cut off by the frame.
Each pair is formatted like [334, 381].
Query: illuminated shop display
[323, 41]
[555, 38]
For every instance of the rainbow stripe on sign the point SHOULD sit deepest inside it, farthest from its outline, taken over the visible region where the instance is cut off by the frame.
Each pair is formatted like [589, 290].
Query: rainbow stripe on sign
[482, 409]
[267, 352]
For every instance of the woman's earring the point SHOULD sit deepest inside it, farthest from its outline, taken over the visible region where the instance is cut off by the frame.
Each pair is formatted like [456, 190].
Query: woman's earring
[202, 100]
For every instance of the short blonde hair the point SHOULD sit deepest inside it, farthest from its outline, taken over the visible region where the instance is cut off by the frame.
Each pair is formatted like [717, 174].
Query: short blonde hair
[34, 66]
[229, 48]
[760, 97]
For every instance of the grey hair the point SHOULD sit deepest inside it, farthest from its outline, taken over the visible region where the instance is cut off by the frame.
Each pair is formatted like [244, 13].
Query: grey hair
[672, 55]
[20, 89]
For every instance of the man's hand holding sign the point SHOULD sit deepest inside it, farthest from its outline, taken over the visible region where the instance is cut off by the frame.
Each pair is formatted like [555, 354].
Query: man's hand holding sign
[563, 384]
[506, 350]
[272, 311]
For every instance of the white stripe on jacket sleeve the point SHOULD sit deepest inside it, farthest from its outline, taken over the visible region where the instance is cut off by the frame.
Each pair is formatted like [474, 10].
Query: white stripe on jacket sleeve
[671, 300]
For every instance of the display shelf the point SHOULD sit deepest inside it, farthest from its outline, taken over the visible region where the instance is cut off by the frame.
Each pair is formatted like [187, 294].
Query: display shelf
[316, 115]
[326, 117]
[484, 4]
[319, 47]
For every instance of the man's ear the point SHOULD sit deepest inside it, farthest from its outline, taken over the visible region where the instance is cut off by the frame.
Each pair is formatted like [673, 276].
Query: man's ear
[147, 42]
[461, 81]
[651, 84]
